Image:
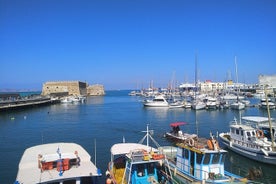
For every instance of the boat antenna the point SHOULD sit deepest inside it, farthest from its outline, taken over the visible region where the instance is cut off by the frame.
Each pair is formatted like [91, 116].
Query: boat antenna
[42, 137]
[269, 120]
[95, 152]
[148, 136]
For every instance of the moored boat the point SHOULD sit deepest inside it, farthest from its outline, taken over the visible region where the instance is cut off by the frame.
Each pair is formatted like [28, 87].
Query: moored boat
[157, 101]
[176, 134]
[199, 160]
[250, 142]
[133, 163]
[57, 163]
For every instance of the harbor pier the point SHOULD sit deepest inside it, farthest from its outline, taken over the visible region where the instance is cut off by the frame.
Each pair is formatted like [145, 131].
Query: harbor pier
[25, 103]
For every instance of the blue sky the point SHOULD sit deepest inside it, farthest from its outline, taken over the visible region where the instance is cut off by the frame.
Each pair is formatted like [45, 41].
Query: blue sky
[125, 44]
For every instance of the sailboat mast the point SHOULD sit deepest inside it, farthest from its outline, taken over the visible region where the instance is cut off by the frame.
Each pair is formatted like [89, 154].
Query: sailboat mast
[269, 121]
[196, 84]
[236, 69]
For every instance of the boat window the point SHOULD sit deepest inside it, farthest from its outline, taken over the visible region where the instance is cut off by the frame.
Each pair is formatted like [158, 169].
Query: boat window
[237, 132]
[150, 168]
[185, 154]
[242, 132]
[199, 158]
[222, 158]
[253, 133]
[248, 134]
[69, 182]
[215, 159]
[140, 170]
[88, 180]
[206, 159]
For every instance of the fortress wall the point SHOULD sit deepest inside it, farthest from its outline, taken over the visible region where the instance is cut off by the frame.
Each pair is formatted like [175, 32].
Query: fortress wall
[95, 90]
[72, 88]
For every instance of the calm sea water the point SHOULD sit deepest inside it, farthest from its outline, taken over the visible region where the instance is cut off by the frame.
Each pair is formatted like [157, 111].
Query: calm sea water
[104, 121]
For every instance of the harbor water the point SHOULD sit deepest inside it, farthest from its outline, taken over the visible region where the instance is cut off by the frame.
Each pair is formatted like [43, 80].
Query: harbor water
[103, 121]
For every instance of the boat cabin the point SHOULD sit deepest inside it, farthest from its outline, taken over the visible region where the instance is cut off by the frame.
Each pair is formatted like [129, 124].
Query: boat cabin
[137, 165]
[244, 133]
[201, 164]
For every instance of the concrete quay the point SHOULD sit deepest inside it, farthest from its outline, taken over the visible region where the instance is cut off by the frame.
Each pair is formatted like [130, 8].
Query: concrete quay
[25, 103]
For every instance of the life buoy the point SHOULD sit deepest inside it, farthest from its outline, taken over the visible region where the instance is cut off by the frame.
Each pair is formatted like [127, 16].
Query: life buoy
[260, 134]
[191, 142]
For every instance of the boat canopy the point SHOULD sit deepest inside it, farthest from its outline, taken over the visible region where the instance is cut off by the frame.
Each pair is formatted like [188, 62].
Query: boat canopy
[175, 124]
[256, 119]
[124, 148]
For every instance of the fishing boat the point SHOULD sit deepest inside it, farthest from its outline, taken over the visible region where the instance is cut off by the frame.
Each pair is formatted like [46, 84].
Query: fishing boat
[57, 163]
[199, 160]
[250, 142]
[176, 134]
[133, 163]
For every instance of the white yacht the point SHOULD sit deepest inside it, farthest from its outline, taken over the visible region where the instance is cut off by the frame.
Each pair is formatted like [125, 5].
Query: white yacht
[269, 103]
[157, 101]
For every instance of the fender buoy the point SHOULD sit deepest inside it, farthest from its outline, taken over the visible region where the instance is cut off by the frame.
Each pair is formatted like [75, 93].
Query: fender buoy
[213, 144]
[210, 145]
[191, 142]
[260, 134]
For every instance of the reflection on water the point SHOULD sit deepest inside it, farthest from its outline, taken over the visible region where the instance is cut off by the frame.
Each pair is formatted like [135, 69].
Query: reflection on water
[156, 112]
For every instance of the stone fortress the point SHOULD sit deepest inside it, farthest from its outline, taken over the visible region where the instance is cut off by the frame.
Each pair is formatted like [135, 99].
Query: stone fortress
[75, 88]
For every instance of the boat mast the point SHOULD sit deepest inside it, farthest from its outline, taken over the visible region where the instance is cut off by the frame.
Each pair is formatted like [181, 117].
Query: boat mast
[237, 82]
[269, 120]
[196, 84]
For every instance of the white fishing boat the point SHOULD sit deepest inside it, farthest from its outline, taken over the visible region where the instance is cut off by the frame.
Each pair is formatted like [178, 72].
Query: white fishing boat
[157, 101]
[57, 163]
[199, 160]
[133, 163]
[250, 142]
[176, 134]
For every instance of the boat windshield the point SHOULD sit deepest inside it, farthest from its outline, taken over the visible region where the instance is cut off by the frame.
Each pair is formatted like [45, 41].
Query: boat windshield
[207, 158]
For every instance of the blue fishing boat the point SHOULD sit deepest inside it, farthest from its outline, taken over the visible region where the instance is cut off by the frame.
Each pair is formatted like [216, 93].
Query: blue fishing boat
[199, 160]
[133, 163]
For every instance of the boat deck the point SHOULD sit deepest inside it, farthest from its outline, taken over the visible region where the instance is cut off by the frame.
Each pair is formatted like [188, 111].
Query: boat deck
[30, 165]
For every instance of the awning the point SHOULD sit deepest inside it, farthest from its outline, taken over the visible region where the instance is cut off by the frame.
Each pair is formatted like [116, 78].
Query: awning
[175, 124]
